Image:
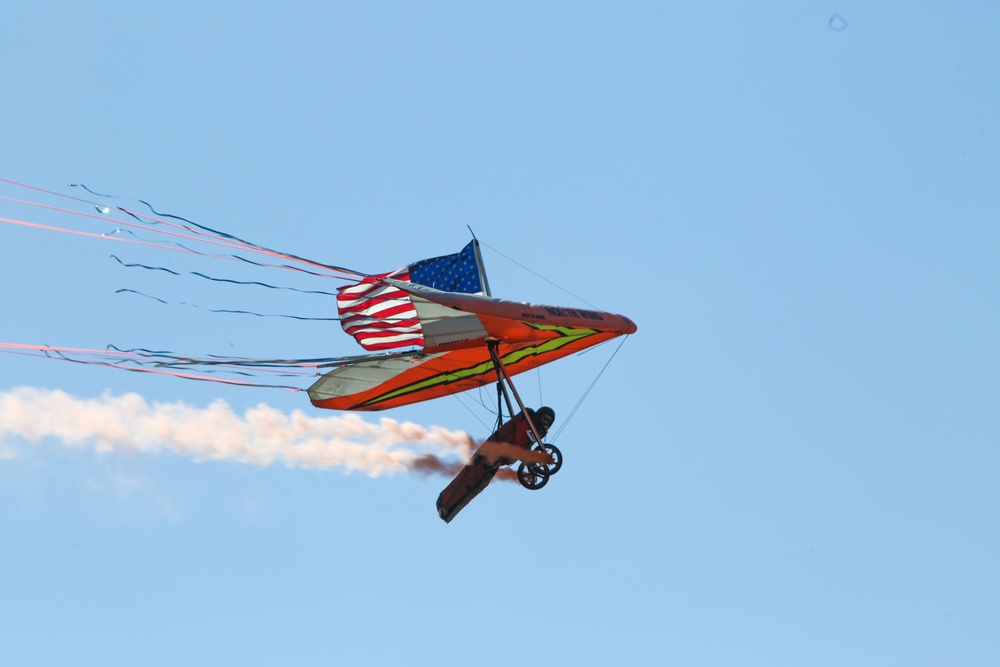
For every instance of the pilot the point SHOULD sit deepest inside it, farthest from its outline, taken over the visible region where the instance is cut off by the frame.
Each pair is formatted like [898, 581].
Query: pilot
[479, 472]
[517, 431]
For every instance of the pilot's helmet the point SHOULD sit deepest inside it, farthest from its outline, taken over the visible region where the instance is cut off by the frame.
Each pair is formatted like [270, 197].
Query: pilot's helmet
[546, 416]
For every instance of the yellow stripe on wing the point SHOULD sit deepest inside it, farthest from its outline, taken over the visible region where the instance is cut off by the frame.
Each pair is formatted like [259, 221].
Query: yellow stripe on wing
[567, 335]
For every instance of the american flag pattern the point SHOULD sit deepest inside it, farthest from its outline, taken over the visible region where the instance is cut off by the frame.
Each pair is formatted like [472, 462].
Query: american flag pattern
[382, 317]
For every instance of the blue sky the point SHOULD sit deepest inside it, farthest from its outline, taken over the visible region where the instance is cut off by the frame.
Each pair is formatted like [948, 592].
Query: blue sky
[793, 461]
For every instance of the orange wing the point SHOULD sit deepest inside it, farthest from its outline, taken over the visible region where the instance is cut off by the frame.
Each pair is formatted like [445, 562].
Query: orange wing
[455, 357]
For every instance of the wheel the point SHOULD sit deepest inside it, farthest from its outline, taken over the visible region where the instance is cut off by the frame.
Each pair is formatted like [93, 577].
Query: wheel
[553, 451]
[532, 476]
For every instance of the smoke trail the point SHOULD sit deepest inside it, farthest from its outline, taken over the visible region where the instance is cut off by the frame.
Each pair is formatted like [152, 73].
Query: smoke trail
[262, 436]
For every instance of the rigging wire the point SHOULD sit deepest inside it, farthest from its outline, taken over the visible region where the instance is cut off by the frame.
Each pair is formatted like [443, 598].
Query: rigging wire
[461, 399]
[576, 407]
[538, 275]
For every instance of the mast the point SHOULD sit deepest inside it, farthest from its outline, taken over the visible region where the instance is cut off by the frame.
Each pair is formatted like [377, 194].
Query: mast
[479, 264]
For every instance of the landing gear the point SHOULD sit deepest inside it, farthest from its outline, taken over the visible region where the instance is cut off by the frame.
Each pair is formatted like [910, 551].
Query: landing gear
[531, 475]
[536, 475]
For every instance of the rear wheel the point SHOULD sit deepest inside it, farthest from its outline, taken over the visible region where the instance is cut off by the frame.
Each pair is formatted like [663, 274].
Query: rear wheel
[532, 475]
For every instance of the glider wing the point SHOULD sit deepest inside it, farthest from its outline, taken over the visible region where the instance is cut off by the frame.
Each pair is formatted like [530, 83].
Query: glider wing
[455, 356]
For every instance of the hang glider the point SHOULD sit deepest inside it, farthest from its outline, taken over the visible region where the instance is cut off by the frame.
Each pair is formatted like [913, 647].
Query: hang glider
[465, 339]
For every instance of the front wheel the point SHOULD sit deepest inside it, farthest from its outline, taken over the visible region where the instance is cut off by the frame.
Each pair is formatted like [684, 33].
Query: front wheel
[553, 451]
[532, 475]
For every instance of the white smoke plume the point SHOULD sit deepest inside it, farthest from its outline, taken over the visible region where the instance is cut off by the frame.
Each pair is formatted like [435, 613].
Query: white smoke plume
[262, 436]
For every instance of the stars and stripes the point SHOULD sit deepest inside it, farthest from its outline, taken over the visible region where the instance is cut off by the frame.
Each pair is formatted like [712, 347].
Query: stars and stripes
[382, 317]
